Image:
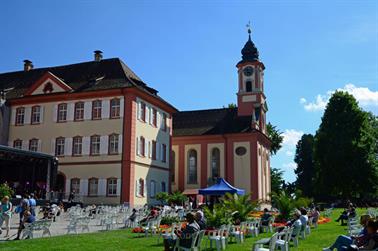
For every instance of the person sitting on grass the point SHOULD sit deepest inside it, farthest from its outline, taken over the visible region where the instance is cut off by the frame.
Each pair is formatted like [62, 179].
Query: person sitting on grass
[344, 241]
[27, 218]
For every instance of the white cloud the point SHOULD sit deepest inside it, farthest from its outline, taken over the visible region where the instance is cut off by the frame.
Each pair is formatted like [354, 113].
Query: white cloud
[291, 137]
[289, 153]
[363, 95]
[290, 166]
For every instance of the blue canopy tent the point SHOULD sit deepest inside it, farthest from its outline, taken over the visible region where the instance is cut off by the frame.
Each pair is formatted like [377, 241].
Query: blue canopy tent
[222, 187]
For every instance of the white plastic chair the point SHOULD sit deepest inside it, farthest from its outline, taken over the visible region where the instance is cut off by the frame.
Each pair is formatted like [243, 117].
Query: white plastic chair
[218, 238]
[283, 243]
[196, 242]
[269, 227]
[238, 233]
[272, 244]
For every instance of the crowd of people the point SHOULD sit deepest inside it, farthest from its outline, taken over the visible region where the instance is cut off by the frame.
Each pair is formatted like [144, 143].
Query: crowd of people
[367, 239]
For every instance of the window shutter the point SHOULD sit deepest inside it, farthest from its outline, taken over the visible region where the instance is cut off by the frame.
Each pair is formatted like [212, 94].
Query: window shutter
[41, 115]
[145, 148]
[157, 151]
[147, 113]
[137, 188]
[145, 189]
[137, 146]
[55, 112]
[150, 116]
[39, 146]
[157, 119]
[139, 110]
[52, 146]
[149, 149]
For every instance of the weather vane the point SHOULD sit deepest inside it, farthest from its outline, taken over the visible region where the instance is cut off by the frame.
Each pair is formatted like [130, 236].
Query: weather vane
[249, 27]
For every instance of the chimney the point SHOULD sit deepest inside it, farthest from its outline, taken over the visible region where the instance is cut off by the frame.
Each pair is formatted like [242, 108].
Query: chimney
[97, 56]
[28, 65]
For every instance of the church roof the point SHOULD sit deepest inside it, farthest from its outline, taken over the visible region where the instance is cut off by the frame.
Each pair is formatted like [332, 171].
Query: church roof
[210, 122]
[109, 73]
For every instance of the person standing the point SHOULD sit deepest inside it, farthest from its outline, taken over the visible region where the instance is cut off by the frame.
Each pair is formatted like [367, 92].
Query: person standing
[32, 204]
[24, 206]
[5, 214]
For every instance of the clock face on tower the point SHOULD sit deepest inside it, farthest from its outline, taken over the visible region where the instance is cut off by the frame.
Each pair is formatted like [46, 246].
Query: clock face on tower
[248, 71]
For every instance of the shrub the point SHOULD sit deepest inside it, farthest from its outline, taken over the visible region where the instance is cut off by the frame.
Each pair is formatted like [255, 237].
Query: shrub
[240, 205]
[284, 203]
[169, 220]
[217, 216]
[177, 198]
[162, 197]
[5, 190]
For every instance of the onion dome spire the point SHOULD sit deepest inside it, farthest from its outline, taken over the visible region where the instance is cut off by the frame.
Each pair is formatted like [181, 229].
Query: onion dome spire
[249, 51]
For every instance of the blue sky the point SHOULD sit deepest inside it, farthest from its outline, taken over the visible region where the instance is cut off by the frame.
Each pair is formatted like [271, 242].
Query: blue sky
[188, 50]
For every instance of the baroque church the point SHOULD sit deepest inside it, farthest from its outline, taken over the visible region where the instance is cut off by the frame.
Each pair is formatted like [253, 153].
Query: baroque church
[231, 143]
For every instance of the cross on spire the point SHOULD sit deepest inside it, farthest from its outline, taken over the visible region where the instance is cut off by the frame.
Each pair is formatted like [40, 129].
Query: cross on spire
[249, 29]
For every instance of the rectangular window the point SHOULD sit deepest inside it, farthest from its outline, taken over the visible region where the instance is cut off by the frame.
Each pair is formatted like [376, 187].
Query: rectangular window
[152, 189]
[79, 111]
[59, 146]
[143, 112]
[142, 145]
[164, 122]
[35, 115]
[163, 187]
[20, 116]
[112, 187]
[96, 109]
[62, 113]
[140, 188]
[33, 145]
[115, 108]
[92, 187]
[17, 144]
[95, 145]
[77, 146]
[154, 150]
[113, 144]
[164, 153]
[154, 117]
[75, 186]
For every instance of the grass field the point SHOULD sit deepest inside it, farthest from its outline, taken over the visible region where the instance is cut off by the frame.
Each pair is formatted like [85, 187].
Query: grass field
[125, 240]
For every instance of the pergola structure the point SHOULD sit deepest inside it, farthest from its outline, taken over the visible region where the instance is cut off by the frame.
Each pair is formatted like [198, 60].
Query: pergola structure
[28, 171]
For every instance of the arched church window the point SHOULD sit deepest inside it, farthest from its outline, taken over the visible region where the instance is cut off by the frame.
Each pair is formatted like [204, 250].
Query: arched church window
[248, 86]
[192, 167]
[215, 163]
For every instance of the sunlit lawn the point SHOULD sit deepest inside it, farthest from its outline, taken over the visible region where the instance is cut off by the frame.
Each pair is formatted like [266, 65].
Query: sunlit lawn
[125, 240]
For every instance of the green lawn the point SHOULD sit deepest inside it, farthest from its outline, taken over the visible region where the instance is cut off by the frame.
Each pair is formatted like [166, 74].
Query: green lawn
[125, 240]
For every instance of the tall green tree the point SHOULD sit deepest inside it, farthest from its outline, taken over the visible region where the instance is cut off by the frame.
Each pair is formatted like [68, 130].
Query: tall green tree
[345, 150]
[277, 180]
[305, 164]
[275, 137]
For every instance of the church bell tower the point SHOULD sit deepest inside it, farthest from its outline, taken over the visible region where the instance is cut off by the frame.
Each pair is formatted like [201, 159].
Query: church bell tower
[251, 98]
